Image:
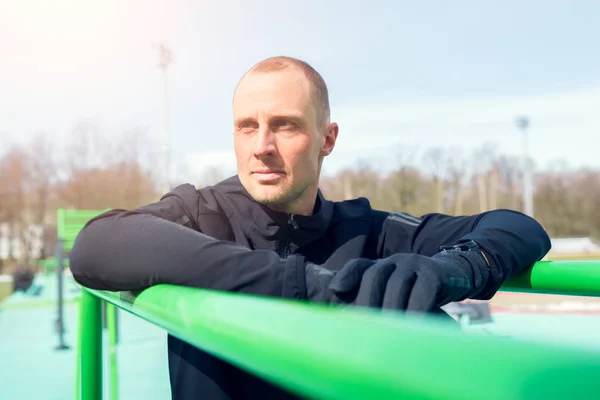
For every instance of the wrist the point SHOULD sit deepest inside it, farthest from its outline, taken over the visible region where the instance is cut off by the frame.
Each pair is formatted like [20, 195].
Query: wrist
[472, 260]
[294, 278]
[469, 247]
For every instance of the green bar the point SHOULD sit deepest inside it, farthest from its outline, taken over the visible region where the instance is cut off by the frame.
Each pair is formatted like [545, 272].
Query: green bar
[111, 320]
[349, 354]
[91, 352]
[580, 278]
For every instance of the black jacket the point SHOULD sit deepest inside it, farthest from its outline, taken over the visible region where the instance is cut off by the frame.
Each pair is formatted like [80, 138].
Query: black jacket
[220, 238]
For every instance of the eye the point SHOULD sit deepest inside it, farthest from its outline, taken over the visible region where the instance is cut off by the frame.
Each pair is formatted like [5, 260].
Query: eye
[247, 126]
[284, 124]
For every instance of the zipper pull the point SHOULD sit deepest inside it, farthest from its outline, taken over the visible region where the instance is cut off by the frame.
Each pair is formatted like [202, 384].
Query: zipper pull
[292, 222]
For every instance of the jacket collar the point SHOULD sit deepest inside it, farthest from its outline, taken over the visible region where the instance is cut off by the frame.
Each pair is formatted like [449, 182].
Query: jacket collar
[267, 226]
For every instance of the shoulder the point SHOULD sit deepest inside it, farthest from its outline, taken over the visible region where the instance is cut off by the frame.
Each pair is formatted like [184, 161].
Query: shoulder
[355, 209]
[211, 207]
[207, 199]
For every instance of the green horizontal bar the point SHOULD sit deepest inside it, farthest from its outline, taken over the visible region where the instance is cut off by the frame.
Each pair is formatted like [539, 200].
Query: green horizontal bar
[580, 278]
[349, 354]
[70, 222]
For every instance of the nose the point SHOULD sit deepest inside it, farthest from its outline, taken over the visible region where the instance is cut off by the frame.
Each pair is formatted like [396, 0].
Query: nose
[265, 144]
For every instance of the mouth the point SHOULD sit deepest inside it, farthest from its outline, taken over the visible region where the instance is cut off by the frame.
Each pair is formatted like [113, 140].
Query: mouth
[267, 175]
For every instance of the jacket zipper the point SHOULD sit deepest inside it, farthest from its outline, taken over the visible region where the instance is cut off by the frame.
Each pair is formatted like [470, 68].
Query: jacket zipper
[292, 222]
[285, 249]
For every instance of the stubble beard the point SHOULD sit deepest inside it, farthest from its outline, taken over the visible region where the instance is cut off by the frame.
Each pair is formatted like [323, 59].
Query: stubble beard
[283, 199]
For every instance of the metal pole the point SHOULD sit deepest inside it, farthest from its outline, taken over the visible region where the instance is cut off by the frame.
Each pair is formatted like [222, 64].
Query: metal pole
[91, 349]
[60, 323]
[523, 124]
[163, 63]
[111, 322]
[78, 349]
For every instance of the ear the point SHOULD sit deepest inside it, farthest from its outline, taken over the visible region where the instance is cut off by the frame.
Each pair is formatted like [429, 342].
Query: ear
[330, 136]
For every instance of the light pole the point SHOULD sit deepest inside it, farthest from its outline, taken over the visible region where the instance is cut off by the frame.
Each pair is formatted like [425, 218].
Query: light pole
[523, 123]
[164, 59]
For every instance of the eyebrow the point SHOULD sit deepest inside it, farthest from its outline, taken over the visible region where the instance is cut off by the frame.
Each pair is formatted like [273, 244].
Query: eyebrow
[240, 121]
[287, 115]
[295, 117]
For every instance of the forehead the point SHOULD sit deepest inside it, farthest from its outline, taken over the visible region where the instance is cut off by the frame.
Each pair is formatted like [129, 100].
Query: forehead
[271, 93]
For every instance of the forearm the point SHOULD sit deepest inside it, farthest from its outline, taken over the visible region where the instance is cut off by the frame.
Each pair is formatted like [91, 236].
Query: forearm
[512, 241]
[130, 251]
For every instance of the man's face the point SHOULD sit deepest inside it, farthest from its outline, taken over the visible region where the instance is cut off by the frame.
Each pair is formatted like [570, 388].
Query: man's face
[279, 142]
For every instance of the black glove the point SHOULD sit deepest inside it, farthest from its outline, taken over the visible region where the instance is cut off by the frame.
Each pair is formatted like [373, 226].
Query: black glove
[402, 281]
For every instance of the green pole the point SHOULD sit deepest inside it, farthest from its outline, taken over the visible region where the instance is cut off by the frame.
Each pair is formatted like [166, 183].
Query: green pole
[111, 322]
[325, 353]
[558, 277]
[60, 222]
[78, 350]
[91, 352]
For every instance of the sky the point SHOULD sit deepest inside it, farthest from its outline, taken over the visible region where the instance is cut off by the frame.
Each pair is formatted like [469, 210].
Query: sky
[401, 74]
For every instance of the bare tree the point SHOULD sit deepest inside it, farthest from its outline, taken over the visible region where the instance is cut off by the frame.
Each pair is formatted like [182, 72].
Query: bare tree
[101, 175]
[41, 180]
[508, 181]
[403, 181]
[98, 174]
[439, 162]
[16, 173]
[483, 160]
[457, 174]
[399, 189]
[84, 152]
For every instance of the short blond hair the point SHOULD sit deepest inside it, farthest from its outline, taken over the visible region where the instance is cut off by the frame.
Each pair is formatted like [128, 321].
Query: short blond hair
[319, 92]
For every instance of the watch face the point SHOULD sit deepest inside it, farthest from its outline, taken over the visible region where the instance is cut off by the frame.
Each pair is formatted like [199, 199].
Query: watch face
[471, 244]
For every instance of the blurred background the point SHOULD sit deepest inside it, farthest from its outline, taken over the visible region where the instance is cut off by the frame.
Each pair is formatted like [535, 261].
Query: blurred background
[456, 108]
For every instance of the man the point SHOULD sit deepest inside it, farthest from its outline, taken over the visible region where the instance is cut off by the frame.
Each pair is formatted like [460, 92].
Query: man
[269, 231]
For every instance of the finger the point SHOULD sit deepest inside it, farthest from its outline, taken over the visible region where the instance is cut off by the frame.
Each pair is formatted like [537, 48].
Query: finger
[373, 284]
[424, 294]
[349, 277]
[398, 288]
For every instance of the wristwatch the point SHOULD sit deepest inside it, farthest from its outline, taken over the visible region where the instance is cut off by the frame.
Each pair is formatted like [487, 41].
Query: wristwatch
[470, 245]
[464, 246]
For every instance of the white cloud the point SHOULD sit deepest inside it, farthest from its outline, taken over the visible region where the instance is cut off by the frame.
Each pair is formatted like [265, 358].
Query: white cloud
[563, 125]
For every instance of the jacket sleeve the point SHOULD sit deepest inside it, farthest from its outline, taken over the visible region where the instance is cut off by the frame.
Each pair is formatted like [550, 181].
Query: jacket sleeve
[132, 250]
[512, 241]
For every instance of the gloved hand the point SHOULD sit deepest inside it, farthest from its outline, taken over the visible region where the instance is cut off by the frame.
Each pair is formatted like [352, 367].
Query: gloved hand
[410, 282]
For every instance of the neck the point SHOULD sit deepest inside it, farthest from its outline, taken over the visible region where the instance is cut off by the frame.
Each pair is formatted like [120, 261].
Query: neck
[304, 205]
